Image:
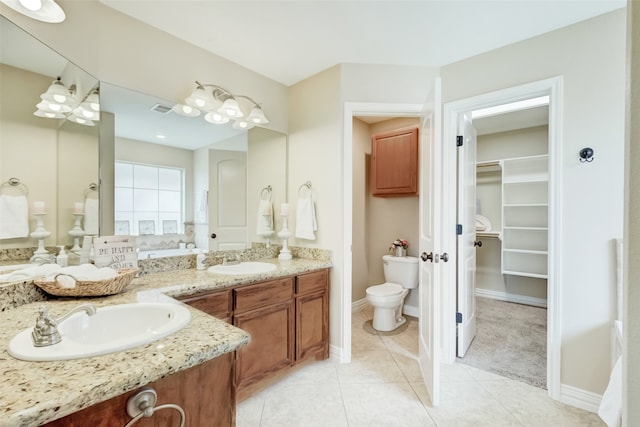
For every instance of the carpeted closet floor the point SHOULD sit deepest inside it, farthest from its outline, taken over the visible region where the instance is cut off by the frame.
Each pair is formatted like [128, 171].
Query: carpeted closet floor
[511, 340]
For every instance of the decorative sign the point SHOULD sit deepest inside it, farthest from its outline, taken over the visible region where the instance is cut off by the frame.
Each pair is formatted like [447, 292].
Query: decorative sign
[117, 252]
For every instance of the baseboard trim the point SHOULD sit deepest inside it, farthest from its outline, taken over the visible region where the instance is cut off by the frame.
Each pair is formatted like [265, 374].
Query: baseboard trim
[579, 398]
[335, 353]
[410, 310]
[519, 299]
[356, 305]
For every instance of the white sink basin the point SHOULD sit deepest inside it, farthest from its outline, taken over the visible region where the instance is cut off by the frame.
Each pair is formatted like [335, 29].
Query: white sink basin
[112, 329]
[249, 267]
[5, 269]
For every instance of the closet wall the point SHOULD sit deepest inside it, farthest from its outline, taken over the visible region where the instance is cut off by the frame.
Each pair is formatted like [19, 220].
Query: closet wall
[511, 191]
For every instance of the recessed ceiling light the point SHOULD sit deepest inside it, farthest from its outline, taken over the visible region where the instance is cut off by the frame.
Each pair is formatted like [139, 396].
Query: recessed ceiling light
[160, 136]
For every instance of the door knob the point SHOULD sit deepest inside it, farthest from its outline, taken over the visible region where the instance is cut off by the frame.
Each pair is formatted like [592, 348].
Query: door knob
[427, 256]
[213, 235]
[478, 243]
[444, 257]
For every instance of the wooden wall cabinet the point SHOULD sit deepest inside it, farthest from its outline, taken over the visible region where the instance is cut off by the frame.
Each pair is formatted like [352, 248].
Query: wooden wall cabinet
[394, 163]
[205, 392]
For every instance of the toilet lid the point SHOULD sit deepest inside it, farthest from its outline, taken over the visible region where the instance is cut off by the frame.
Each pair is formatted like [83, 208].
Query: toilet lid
[386, 289]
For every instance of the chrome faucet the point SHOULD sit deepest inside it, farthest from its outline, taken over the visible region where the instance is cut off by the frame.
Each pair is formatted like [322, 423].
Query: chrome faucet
[45, 332]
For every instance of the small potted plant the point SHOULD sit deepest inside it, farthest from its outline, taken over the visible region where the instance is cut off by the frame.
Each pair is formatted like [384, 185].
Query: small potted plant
[399, 247]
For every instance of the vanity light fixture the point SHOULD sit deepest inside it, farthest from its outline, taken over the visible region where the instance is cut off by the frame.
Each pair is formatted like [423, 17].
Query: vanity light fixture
[58, 102]
[42, 10]
[221, 106]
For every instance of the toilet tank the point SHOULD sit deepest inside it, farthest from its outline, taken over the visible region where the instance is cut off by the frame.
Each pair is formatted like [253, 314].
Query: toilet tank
[401, 270]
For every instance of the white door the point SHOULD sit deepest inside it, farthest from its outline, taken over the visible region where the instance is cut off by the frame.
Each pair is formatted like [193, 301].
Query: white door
[430, 242]
[466, 300]
[227, 200]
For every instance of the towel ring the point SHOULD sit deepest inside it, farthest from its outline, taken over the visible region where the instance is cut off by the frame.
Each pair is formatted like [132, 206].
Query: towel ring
[306, 185]
[92, 187]
[266, 190]
[15, 182]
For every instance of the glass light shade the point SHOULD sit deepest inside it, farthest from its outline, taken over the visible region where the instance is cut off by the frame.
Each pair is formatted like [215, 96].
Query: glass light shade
[92, 102]
[256, 116]
[57, 93]
[216, 118]
[200, 98]
[52, 107]
[86, 114]
[186, 110]
[80, 120]
[230, 108]
[242, 124]
[49, 115]
[49, 10]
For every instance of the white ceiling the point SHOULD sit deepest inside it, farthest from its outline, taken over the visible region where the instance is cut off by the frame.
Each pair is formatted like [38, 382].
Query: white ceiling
[291, 40]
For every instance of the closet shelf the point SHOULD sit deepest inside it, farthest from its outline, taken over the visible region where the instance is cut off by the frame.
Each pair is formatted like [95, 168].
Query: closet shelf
[525, 179]
[525, 228]
[525, 274]
[525, 251]
[489, 234]
[526, 205]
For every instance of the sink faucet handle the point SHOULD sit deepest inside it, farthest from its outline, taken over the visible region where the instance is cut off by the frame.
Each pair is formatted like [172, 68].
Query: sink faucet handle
[45, 332]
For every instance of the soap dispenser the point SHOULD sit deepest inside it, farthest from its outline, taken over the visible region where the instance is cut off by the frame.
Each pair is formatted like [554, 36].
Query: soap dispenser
[200, 261]
[62, 259]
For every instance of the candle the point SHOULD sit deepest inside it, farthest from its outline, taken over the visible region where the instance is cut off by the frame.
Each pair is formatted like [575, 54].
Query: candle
[78, 208]
[284, 209]
[38, 208]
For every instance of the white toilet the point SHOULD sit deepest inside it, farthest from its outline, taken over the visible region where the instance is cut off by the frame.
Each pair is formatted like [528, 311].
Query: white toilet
[401, 274]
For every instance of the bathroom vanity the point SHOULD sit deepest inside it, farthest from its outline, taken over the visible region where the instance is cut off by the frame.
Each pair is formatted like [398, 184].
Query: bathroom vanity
[281, 318]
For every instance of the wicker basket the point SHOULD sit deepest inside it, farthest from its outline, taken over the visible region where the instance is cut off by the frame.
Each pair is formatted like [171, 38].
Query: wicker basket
[90, 288]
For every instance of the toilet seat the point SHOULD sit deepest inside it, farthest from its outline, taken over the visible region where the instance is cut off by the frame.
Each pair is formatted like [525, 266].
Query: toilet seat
[385, 290]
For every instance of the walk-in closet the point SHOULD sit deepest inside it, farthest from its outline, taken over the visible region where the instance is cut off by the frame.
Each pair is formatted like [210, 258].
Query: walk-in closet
[512, 234]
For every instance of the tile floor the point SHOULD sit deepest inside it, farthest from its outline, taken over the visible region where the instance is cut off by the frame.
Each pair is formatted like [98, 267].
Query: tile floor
[383, 387]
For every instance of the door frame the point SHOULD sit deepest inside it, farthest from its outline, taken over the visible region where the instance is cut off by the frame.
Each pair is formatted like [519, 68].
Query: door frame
[553, 88]
[352, 109]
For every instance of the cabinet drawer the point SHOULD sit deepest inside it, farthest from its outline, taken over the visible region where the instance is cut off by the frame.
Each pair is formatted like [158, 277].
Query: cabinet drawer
[217, 303]
[311, 282]
[263, 294]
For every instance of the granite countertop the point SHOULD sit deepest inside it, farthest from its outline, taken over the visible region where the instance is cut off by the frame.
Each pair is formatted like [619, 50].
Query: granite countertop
[34, 393]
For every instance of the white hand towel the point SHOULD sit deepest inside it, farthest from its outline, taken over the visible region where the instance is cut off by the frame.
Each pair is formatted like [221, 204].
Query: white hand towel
[306, 224]
[91, 216]
[611, 404]
[265, 218]
[14, 217]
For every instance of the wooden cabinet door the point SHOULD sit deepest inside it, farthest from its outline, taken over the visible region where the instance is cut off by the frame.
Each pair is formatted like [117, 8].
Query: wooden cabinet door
[394, 163]
[205, 392]
[217, 303]
[271, 348]
[312, 326]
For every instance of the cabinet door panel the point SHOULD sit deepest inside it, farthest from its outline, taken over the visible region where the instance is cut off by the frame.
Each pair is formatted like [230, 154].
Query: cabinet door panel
[262, 294]
[271, 348]
[311, 282]
[312, 326]
[394, 163]
[216, 304]
[205, 392]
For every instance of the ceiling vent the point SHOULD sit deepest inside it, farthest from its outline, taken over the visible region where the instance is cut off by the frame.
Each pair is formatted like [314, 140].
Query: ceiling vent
[162, 109]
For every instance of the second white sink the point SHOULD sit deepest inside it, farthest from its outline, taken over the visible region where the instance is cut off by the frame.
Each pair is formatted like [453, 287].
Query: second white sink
[248, 267]
[112, 329]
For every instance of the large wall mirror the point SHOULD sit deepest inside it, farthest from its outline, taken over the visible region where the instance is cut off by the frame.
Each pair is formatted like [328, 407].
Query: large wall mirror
[225, 171]
[52, 162]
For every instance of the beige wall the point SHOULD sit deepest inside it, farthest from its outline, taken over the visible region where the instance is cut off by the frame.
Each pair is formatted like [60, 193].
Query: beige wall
[590, 57]
[631, 366]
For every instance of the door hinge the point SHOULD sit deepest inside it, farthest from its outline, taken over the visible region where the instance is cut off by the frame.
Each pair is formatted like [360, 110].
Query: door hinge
[458, 317]
[459, 229]
[459, 140]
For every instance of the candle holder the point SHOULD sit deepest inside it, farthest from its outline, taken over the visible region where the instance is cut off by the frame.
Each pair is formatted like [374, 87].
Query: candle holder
[40, 233]
[267, 236]
[77, 232]
[284, 234]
